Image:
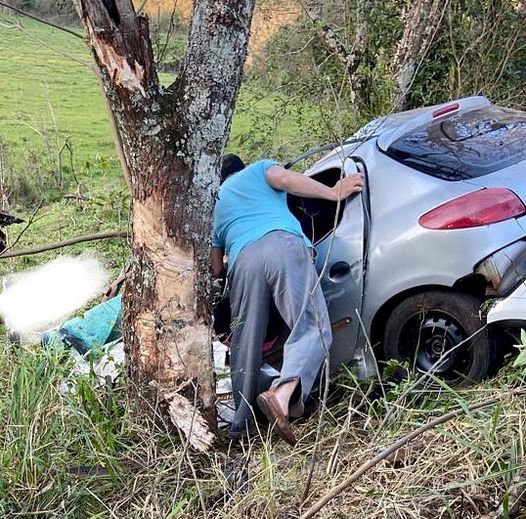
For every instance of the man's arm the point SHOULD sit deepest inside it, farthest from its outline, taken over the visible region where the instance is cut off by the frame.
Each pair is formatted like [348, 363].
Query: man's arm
[218, 267]
[300, 185]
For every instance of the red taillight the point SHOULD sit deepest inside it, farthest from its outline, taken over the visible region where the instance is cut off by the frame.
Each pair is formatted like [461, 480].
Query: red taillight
[479, 208]
[445, 110]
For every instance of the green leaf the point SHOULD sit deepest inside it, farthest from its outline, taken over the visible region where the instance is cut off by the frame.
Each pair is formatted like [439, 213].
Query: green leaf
[520, 360]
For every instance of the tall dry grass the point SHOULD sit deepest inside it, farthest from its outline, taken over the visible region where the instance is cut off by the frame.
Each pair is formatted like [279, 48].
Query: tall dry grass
[86, 452]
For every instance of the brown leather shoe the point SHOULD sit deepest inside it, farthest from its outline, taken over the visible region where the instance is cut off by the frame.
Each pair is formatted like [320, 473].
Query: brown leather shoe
[272, 410]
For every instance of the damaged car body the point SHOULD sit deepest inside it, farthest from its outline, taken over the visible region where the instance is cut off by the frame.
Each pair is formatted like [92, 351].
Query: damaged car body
[439, 228]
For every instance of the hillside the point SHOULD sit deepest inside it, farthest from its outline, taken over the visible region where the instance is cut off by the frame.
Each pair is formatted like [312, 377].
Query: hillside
[56, 141]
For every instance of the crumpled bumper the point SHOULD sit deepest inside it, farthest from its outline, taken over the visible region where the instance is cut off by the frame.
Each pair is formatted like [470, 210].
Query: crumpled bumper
[505, 269]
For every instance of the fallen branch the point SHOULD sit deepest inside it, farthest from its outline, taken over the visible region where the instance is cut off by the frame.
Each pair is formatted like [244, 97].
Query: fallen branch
[318, 505]
[116, 285]
[65, 243]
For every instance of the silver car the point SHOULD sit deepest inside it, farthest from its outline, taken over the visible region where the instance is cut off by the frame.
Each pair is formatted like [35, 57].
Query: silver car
[439, 228]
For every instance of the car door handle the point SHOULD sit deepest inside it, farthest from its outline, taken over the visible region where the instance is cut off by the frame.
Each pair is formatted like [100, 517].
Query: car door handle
[339, 270]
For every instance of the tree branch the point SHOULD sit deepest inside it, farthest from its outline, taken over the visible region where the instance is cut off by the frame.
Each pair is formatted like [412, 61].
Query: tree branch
[351, 59]
[26, 227]
[318, 505]
[313, 10]
[421, 26]
[65, 243]
[41, 20]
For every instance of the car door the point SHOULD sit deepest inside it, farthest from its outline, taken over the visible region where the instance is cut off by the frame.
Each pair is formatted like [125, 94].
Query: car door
[340, 263]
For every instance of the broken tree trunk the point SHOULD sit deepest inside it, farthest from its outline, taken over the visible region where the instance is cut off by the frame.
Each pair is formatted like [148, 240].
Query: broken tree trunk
[172, 139]
[421, 25]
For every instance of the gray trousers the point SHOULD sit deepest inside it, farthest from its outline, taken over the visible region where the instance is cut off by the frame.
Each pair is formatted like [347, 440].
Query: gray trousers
[277, 266]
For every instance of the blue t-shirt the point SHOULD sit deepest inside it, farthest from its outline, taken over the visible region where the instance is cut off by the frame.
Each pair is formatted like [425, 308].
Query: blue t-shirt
[248, 207]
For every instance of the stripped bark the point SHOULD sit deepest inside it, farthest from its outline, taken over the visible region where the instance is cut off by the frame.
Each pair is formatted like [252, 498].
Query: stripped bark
[421, 25]
[172, 139]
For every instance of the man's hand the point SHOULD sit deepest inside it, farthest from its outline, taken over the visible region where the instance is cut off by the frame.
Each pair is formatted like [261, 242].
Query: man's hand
[218, 267]
[301, 185]
[347, 186]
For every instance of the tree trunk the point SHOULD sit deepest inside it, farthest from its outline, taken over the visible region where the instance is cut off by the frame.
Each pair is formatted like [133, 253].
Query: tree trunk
[172, 139]
[361, 48]
[350, 59]
[421, 26]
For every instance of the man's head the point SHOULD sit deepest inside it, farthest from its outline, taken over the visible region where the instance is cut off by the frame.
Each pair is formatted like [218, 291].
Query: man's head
[230, 164]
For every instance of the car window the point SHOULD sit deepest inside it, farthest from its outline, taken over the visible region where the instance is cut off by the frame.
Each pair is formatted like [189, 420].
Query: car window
[465, 145]
[316, 216]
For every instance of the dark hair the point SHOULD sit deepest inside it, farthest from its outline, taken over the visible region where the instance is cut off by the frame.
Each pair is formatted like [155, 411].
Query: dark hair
[230, 164]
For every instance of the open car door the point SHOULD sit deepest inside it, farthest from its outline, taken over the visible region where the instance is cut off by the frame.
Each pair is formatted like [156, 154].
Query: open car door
[339, 234]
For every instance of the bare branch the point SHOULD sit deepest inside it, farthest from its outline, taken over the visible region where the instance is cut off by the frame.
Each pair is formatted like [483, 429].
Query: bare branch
[313, 10]
[26, 227]
[140, 9]
[349, 60]
[41, 20]
[352, 58]
[421, 27]
[66, 243]
[318, 505]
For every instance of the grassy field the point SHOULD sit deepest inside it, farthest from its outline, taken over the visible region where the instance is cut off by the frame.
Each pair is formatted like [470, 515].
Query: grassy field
[56, 139]
[85, 453]
[49, 94]
[50, 98]
[47, 97]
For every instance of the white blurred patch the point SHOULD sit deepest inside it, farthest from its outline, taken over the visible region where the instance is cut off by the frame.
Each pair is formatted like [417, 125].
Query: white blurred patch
[35, 299]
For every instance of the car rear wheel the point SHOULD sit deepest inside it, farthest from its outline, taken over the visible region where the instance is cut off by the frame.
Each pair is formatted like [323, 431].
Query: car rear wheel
[424, 327]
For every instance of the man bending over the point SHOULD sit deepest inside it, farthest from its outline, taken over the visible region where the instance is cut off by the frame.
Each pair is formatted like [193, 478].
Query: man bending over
[269, 257]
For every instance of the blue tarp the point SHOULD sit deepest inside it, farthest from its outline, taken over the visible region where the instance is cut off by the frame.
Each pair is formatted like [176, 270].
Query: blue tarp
[98, 326]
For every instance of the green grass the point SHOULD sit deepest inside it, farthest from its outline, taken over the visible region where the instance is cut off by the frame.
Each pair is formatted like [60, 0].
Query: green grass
[86, 454]
[48, 100]
[75, 454]
[46, 97]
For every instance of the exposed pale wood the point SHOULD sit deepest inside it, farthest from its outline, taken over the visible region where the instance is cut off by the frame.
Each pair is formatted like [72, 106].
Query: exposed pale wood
[183, 414]
[171, 139]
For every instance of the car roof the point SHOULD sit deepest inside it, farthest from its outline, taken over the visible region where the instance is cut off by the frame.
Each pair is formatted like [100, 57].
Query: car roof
[390, 127]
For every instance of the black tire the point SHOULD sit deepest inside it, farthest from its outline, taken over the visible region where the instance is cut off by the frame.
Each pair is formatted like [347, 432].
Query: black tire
[422, 327]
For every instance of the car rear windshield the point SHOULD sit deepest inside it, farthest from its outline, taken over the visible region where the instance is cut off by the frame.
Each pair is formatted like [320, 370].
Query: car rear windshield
[466, 145]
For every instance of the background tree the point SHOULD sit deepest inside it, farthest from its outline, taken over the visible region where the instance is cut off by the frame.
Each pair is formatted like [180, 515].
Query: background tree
[172, 139]
[366, 58]
[421, 25]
